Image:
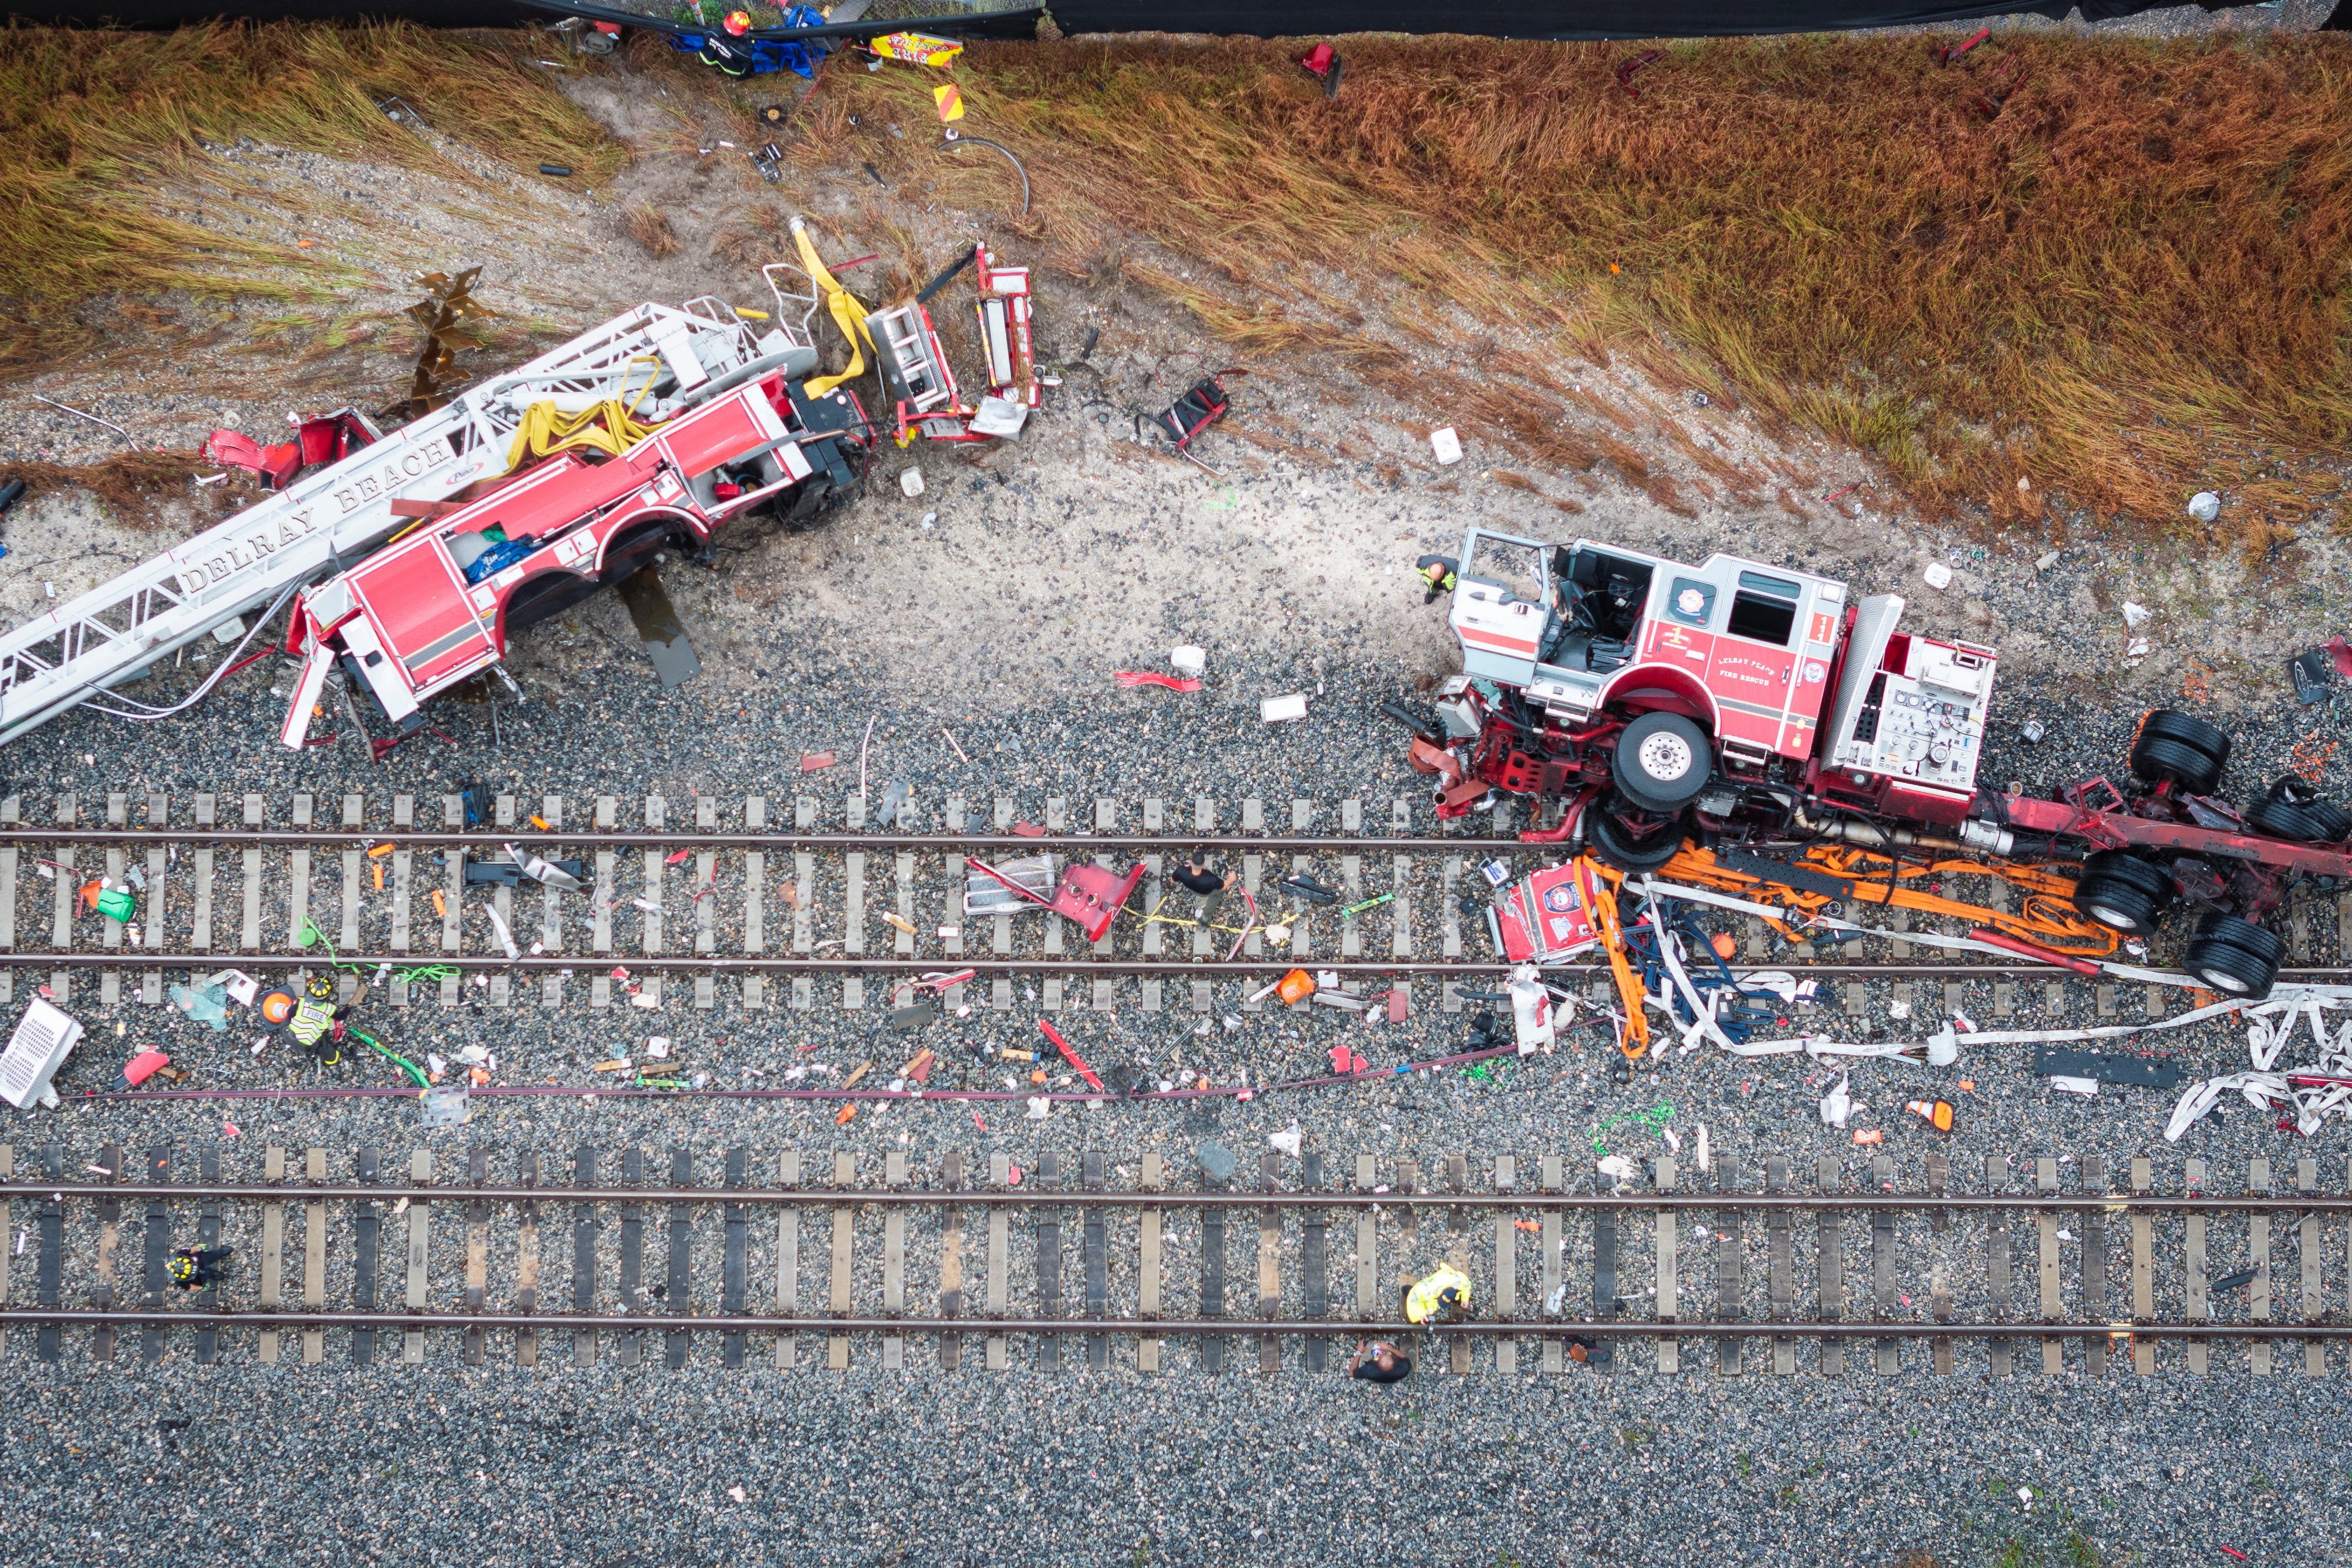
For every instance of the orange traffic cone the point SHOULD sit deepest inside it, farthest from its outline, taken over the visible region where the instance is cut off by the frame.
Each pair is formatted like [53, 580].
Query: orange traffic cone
[1936, 1113]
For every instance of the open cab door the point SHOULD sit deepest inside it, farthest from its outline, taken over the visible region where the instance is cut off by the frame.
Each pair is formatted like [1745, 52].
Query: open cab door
[1501, 607]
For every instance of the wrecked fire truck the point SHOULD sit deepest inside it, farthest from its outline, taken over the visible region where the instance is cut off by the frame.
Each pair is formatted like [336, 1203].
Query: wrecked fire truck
[407, 559]
[657, 450]
[1735, 708]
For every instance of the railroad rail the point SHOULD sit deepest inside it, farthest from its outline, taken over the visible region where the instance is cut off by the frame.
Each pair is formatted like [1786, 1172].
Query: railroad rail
[212, 892]
[1855, 1273]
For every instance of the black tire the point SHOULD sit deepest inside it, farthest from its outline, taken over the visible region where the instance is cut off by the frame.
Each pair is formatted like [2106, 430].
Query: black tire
[2285, 820]
[2335, 822]
[2218, 958]
[2332, 822]
[2241, 934]
[2174, 748]
[2159, 760]
[2171, 724]
[2120, 891]
[1663, 761]
[1617, 847]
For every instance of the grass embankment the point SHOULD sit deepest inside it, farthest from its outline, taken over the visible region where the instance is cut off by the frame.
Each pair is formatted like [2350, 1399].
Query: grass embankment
[109, 133]
[2125, 285]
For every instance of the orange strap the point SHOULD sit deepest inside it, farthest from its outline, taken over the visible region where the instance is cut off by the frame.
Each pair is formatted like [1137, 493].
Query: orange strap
[1597, 882]
[2047, 917]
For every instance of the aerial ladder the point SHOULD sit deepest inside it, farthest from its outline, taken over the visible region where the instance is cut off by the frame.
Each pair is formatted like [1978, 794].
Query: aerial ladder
[662, 361]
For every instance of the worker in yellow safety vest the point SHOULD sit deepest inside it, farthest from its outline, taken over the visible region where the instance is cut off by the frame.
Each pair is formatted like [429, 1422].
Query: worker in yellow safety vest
[314, 1021]
[1444, 1296]
[1438, 575]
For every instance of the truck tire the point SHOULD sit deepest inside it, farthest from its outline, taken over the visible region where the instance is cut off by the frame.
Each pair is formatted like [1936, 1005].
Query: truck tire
[1663, 761]
[2122, 892]
[2327, 822]
[2234, 956]
[2284, 820]
[1618, 847]
[2160, 761]
[2172, 747]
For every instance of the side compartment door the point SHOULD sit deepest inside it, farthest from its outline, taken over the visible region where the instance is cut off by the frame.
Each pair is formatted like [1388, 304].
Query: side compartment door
[418, 599]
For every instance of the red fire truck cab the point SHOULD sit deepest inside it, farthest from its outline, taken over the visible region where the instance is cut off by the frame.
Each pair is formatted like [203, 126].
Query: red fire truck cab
[1651, 695]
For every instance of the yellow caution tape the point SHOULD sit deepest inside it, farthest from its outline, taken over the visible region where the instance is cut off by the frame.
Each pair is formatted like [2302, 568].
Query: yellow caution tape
[848, 314]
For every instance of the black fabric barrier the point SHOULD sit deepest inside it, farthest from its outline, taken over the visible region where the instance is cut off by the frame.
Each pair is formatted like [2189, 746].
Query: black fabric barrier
[1585, 19]
[1280, 18]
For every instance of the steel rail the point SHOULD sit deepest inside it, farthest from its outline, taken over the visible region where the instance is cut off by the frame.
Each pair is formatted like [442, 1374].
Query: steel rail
[706, 837]
[1078, 1198]
[916, 964]
[1167, 1328]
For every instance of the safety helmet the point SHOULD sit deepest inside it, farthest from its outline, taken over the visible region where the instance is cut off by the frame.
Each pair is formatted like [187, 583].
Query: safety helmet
[277, 1006]
[738, 23]
[320, 988]
[1451, 1296]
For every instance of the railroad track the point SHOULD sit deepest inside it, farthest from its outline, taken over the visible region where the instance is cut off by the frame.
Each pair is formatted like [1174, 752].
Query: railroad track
[736, 909]
[2059, 1263]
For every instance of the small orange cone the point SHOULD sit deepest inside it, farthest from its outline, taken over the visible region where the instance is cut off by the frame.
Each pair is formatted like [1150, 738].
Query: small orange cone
[1936, 1113]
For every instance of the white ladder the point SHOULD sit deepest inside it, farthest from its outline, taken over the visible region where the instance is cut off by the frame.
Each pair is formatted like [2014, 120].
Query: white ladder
[328, 517]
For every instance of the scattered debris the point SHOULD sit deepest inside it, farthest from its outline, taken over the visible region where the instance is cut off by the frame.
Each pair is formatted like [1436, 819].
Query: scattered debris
[2313, 673]
[2205, 506]
[1937, 574]
[1194, 412]
[1837, 1105]
[1283, 709]
[1323, 62]
[2057, 1062]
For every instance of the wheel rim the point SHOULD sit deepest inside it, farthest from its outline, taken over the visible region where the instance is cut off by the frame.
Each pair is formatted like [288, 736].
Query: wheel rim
[2221, 982]
[1664, 757]
[2107, 914]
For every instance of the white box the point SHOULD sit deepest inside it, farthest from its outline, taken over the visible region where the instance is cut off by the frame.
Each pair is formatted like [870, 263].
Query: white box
[1446, 444]
[36, 1050]
[1278, 710]
[910, 482]
[1188, 660]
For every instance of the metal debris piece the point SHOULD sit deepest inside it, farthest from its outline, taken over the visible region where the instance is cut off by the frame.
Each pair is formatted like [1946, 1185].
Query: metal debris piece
[444, 313]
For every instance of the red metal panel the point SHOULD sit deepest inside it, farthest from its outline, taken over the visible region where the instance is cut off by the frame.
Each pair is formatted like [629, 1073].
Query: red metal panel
[701, 441]
[553, 494]
[416, 597]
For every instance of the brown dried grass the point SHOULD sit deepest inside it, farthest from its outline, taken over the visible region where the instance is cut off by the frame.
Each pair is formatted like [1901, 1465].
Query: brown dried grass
[2129, 283]
[650, 226]
[140, 488]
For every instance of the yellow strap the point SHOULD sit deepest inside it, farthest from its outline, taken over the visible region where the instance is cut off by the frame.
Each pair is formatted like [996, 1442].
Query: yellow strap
[848, 314]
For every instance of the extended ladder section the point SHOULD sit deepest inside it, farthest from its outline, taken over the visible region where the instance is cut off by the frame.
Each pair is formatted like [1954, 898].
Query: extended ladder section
[660, 359]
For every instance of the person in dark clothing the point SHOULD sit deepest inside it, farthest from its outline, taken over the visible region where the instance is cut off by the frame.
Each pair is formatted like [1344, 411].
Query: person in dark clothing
[194, 1268]
[1212, 885]
[1377, 1361]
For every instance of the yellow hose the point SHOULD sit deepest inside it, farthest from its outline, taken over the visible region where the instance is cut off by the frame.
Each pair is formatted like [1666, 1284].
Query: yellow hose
[848, 314]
